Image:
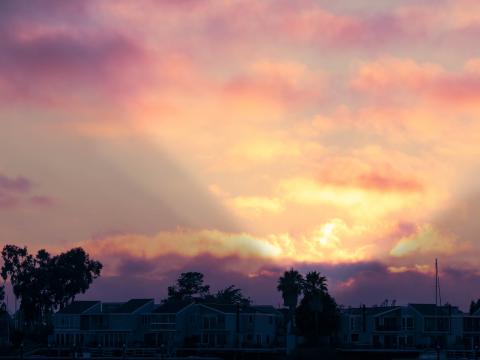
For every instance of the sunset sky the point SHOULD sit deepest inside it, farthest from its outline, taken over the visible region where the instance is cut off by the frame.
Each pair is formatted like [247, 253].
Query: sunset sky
[240, 138]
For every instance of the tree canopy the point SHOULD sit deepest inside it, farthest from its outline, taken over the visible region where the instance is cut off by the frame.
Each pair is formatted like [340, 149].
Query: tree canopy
[474, 306]
[290, 285]
[230, 295]
[317, 314]
[188, 286]
[45, 283]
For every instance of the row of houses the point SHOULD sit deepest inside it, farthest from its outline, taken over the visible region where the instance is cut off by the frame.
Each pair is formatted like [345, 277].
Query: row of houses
[173, 326]
[140, 322]
[410, 326]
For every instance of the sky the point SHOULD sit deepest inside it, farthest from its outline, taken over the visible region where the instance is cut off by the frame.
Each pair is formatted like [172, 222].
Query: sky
[242, 138]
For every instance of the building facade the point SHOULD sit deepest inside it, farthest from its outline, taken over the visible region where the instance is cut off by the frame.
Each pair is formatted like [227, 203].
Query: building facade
[411, 326]
[170, 326]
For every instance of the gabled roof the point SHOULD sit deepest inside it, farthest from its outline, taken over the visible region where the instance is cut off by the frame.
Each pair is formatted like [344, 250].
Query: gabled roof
[370, 311]
[434, 310]
[78, 307]
[132, 305]
[232, 308]
[224, 308]
[266, 309]
[171, 308]
[110, 307]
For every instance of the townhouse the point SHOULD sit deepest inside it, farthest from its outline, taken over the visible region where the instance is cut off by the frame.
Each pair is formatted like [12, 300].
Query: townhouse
[411, 326]
[92, 323]
[170, 326]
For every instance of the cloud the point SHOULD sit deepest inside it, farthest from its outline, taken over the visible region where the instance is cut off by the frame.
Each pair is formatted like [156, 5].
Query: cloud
[352, 284]
[391, 77]
[50, 58]
[427, 240]
[18, 184]
[17, 191]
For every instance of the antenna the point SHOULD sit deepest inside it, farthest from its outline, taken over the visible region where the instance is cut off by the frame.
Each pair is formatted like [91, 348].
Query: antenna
[438, 294]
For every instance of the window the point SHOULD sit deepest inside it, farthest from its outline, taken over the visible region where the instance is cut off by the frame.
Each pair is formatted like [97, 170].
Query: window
[250, 319]
[270, 320]
[355, 337]
[259, 339]
[410, 340]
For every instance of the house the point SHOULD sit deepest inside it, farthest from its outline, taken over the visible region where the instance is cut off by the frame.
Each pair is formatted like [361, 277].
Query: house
[437, 325]
[471, 330]
[403, 327]
[369, 326]
[110, 325]
[162, 326]
[170, 326]
[199, 325]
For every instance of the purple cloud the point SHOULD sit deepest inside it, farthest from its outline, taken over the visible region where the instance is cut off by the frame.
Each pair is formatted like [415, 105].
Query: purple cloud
[18, 184]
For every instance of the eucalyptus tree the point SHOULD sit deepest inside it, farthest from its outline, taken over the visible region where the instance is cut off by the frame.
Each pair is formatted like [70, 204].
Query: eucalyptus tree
[45, 283]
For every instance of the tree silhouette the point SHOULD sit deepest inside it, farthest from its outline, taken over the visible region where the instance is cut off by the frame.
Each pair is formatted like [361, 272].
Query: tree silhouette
[290, 285]
[45, 283]
[474, 306]
[3, 307]
[230, 295]
[317, 315]
[188, 287]
[314, 283]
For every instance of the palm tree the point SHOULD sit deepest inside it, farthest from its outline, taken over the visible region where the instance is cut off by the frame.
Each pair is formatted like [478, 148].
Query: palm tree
[315, 283]
[290, 285]
[314, 289]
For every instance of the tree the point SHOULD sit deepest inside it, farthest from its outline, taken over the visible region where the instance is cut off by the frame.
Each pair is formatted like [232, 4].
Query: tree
[72, 272]
[230, 295]
[314, 283]
[290, 285]
[3, 307]
[474, 306]
[317, 313]
[188, 286]
[45, 283]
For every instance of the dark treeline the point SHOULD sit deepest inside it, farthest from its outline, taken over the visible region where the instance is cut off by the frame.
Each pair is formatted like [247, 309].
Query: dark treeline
[44, 283]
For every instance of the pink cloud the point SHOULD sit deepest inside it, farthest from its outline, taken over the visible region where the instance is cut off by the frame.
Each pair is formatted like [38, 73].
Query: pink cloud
[383, 182]
[17, 191]
[393, 78]
[50, 56]
[39, 200]
[18, 184]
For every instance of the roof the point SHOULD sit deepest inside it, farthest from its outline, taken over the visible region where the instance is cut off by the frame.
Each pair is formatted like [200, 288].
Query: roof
[78, 307]
[233, 308]
[434, 310]
[111, 307]
[371, 311]
[170, 308]
[224, 308]
[266, 309]
[132, 305]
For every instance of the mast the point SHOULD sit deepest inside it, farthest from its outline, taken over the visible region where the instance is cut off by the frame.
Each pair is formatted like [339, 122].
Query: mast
[438, 294]
[436, 282]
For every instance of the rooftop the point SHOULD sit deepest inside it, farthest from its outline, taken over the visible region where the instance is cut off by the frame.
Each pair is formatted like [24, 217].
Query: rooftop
[78, 307]
[132, 305]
